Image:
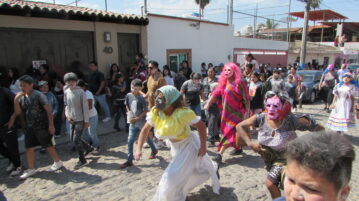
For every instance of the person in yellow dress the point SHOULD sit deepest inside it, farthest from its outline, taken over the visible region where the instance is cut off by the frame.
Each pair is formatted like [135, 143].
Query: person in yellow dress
[190, 166]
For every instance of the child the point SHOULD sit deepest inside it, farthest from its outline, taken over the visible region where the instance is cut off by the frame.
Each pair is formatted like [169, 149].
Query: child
[90, 134]
[39, 124]
[214, 117]
[342, 114]
[190, 166]
[300, 91]
[137, 109]
[54, 105]
[77, 113]
[118, 98]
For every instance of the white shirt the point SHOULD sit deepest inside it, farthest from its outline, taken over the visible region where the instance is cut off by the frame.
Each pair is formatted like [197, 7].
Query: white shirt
[169, 80]
[93, 111]
[15, 88]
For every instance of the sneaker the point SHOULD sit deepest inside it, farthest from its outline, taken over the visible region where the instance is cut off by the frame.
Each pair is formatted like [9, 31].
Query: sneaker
[145, 145]
[80, 165]
[328, 110]
[235, 152]
[126, 164]
[10, 167]
[96, 150]
[16, 172]
[153, 154]
[57, 136]
[107, 119]
[217, 158]
[56, 166]
[28, 173]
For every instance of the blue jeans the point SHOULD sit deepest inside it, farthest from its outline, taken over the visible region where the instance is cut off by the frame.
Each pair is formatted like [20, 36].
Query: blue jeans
[132, 135]
[196, 109]
[90, 134]
[101, 99]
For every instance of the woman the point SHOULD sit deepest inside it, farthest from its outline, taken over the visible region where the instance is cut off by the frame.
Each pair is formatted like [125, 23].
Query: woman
[342, 116]
[154, 82]
[193, 91]
[168, 75]
[255, 93]
[113, 71]
[251, 60]
[326, 85]
[190, 165]
[119, 92]
[15, 83]
[187, 71]
[276, 128]
[236, 106]
[207, 81]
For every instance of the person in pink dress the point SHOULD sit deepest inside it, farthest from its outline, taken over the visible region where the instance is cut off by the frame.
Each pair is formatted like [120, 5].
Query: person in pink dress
[234, 94]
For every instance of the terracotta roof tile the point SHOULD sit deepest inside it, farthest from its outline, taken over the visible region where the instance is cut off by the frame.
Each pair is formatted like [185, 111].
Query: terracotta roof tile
[66, 9]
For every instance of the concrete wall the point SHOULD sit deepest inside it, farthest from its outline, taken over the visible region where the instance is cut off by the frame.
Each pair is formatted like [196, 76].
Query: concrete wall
[104, 59]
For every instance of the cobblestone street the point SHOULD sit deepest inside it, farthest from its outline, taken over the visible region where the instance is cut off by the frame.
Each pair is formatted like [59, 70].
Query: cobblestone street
[242, 177]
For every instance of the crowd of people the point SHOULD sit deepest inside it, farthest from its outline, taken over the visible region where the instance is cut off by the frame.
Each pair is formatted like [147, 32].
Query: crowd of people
[226, 104]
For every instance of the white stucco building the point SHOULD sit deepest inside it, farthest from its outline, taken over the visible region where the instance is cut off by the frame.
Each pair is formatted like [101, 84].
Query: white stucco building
[174, 39]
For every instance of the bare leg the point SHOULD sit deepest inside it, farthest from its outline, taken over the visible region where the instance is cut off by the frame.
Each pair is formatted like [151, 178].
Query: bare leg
[30, 157]
[223, 148]
[273, 189]
[53, 154]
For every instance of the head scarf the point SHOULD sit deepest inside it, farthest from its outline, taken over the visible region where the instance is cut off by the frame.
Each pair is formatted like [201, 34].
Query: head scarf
[170, 93]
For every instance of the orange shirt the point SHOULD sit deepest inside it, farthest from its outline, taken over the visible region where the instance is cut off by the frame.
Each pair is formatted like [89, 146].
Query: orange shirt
[152, 86]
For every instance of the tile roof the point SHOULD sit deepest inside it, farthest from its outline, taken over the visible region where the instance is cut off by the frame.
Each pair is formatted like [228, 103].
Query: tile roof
[41, 9]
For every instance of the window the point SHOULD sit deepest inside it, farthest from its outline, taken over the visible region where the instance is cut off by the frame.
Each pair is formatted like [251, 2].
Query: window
[175, 57]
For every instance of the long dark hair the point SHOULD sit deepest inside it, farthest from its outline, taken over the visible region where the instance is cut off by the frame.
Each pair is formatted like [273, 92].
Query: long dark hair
[111, 71]
[15, 74]
[166, 67]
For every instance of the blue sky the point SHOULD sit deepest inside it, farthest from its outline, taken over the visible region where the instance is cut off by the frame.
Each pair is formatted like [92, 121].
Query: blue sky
[217, 9]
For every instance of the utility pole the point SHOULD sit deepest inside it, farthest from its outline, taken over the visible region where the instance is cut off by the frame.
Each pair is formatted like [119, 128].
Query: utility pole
[230, 11]
[255, 21]
[106, 4]
[289, 21]
[303, 49]
[76, 2]
[145, 4]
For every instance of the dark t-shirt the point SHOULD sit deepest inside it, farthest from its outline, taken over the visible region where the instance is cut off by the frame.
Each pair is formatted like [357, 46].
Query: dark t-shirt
[6, 105]
[192, 92]
[94, 81]
[33, 108]
[207, 86]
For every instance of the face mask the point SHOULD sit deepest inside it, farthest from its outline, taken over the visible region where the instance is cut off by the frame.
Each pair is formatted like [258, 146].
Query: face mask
[160, 103]
[274, 108]
[228, 72]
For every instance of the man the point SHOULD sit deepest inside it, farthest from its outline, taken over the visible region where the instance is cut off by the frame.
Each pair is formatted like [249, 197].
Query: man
[96, 83]
[9, 147]
[39, 124]
[154, 82]
[319, 168]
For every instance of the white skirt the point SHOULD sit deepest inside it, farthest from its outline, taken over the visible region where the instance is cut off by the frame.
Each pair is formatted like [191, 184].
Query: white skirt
[186, 171]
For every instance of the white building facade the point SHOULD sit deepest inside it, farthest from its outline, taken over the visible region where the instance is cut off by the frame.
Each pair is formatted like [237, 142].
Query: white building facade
[173, 39]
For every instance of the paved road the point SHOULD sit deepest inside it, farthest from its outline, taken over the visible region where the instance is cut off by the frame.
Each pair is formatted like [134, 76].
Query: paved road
[242, 177]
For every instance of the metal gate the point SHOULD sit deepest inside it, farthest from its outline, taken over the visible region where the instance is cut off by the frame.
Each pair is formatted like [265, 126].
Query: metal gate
[128, 47]
[61, 49]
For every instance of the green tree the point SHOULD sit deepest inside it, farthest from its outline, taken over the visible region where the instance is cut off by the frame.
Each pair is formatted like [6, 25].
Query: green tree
[269, 24]
[202, 4]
